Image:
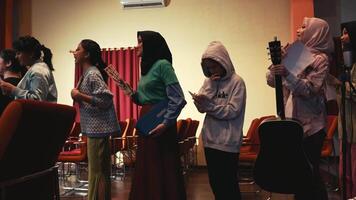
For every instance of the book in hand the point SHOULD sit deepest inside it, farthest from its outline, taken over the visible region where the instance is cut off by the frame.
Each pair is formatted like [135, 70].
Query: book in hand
[119, 82]
[153, 118]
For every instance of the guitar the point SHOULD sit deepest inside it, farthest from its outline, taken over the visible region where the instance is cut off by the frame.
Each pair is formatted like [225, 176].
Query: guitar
[281, 165]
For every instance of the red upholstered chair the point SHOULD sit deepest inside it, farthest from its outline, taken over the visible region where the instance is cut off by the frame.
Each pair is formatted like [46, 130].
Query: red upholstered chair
[129, 143]
[250, 141]
[73, 155]
[32, 134]
[191, 136]
[182, 128]
[189, 147]
[75, 147]
[328, 149]
[250, 145]
[250, 149]
[117, 144]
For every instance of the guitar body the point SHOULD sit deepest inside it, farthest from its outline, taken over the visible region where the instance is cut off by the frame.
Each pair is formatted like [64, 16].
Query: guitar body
[281, 165]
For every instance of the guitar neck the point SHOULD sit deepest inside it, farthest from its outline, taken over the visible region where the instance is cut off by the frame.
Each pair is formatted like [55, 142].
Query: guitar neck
[279, 96]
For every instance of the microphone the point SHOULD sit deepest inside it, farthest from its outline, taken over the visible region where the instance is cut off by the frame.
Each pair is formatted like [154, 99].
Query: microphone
[347, 53]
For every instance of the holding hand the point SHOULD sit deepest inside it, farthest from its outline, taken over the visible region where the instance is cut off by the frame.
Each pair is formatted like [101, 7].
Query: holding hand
[279, 70]
[200, 99]
[7, 88]
[128, 91]
[215, 77]
[75, 94]
[160, 128]
[200, 102]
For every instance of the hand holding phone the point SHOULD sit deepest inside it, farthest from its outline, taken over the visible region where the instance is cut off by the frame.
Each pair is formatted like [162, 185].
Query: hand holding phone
[193, 95]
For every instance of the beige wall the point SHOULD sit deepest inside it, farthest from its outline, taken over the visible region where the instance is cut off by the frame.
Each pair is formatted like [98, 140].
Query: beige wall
[243, 26]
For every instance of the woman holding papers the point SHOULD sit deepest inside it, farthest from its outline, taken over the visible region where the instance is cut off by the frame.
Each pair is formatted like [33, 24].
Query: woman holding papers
[158, 174]
[348, 40]
[305, 99]
[97, 116]
[222, 98]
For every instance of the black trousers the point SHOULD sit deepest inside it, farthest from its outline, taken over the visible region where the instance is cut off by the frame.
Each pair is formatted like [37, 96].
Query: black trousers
[222, 170]
[312, 146]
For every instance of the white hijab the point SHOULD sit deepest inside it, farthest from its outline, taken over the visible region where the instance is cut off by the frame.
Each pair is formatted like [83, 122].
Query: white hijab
[317, 35]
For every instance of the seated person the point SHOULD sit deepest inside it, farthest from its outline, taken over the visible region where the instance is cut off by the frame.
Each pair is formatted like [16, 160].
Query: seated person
[10, 71]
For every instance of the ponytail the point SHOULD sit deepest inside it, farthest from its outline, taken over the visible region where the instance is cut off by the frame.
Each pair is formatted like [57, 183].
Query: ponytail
[30, 44]
[101, 65]
[47, 56]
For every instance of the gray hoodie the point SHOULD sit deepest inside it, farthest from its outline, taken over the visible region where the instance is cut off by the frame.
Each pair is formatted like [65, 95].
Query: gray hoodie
[225, 109]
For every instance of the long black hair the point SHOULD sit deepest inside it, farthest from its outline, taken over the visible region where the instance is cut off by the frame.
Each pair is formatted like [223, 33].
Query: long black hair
[9, 55]
[29, 44]
[154, 48]
[351, 30]
[95, 58]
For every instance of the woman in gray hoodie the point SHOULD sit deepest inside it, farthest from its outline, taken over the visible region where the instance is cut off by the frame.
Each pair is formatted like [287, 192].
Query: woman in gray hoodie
[223, 98]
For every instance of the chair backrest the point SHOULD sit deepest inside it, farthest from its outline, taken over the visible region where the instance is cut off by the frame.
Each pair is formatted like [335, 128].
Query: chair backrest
[253, 127]
[131, 123]
[123, 127]
[32, 134]
[185, 134]
[328, 141]
[130, 131]
[332, 125]
[182, 126]
[76, 130]
[118, 144]
[192, 131]
[252, 133]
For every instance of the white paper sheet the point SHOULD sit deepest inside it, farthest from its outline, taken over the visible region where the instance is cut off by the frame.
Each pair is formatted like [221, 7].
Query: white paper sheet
[298, 57]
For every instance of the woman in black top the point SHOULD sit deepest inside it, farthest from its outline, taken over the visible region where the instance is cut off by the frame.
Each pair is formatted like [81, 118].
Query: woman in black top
[10, 71]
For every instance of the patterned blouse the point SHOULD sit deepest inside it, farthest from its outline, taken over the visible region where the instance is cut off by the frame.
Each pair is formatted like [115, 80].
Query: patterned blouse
[98, 118]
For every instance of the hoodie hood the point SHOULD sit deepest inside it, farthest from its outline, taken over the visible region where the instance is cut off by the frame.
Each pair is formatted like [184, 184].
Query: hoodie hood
[225, 105]
[217, 52]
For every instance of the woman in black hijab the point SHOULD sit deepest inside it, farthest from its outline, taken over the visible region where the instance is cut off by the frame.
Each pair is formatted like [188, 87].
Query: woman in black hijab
[348, 40]
[158, 174]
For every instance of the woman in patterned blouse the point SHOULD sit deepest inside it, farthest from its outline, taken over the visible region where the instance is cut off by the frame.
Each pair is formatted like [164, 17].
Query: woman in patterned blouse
[97, 116]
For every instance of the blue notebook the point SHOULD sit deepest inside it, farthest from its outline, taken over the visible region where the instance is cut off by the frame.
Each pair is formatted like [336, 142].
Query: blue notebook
[151, 119]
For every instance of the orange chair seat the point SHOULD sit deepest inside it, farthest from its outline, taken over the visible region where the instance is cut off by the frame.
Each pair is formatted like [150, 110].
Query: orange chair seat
[75, 155]
[248, 157]
[73, 152]
[245, 149]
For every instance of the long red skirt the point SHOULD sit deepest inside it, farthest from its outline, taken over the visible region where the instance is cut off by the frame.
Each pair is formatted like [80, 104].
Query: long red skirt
[158, 174]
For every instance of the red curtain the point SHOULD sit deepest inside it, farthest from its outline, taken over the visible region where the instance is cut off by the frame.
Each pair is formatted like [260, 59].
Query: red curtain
[126, 62]
[6, 23]
[2, 24]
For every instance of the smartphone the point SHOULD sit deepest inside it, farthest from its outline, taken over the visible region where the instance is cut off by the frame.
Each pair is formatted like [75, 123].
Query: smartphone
[192, 94]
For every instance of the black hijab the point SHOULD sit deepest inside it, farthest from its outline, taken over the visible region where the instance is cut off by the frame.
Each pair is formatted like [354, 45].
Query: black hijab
[154, 48]
[351, 30]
